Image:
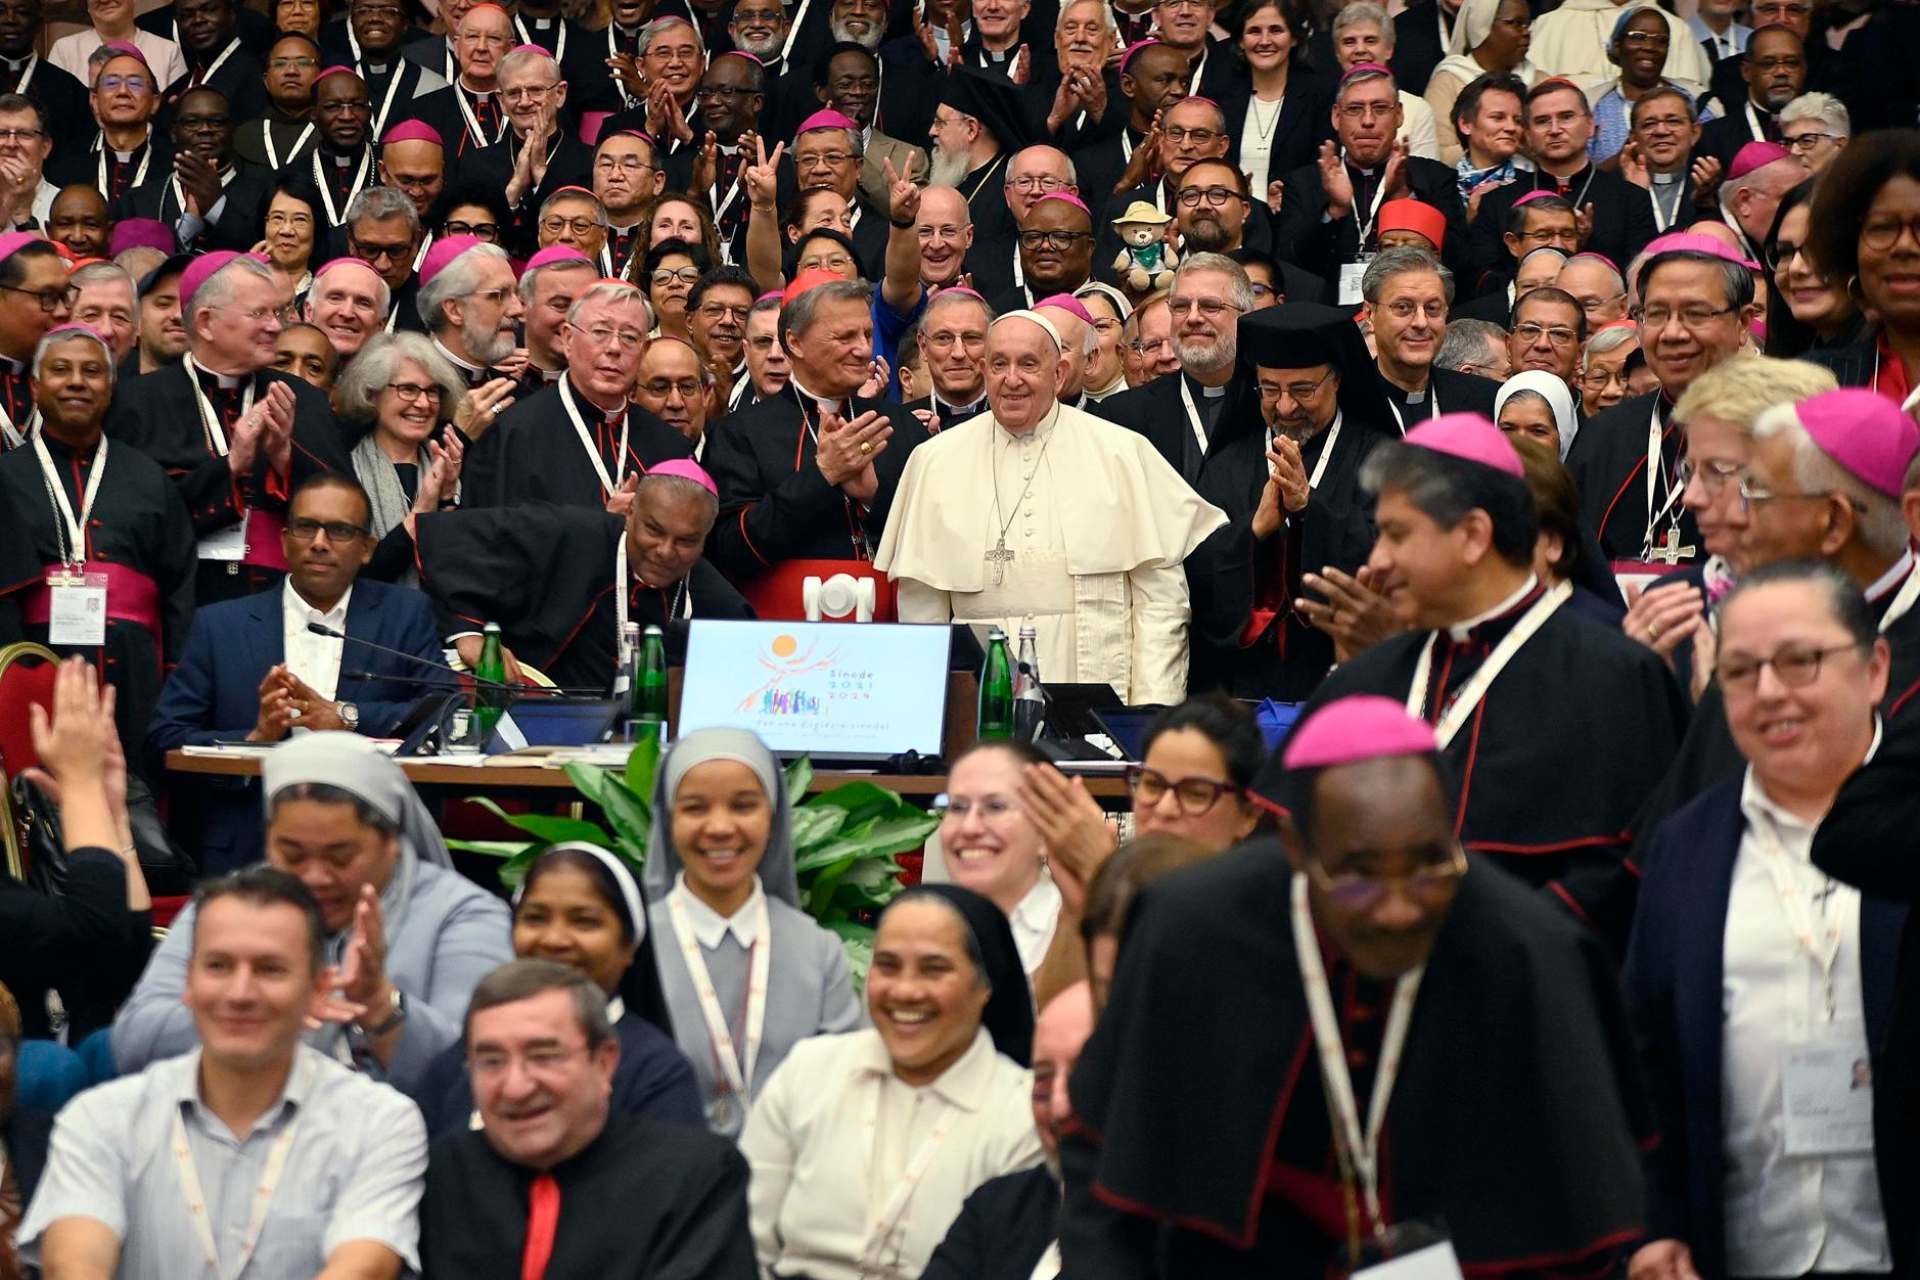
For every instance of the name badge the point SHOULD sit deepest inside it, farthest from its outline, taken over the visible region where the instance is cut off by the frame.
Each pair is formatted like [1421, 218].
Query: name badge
[78, 614]
[1827, 1092]
[1351, 273]
[1434, 1262]
[229, 543]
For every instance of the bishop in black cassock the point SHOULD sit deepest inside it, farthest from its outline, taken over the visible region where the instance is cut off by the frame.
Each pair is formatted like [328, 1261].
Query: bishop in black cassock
[547, 575]
[534, 453]
[1609, 462]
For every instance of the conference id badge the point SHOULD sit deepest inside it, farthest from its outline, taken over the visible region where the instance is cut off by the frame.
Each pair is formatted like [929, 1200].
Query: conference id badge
[1827, 1092]
[1351, 274]
[1408, 1251]
[78, 613]
[229, 543]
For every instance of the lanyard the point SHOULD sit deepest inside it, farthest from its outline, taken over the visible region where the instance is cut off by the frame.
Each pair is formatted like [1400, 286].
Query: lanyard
[793, 32]
[608, 483]
[1360, 1152]
[326, 189]
[1660, 219]
[1821, 942]
[200, 78]
[736, 1065]
[17, 435]
[273, 156]
[216, 433]
[681, 606]
[1373, 210]
[386, 101]
[559, 39]
[180, 195]
[139, 175]
[1193, 416]
[474, 131]
[1433, 403]
[197, 1210]
[1326, 452]
[1753, 122]
[1457, 712]
[882, 1228]
[71, 532]
[855, 531]
[26, 76]
[1656, 476]
[1904, 601]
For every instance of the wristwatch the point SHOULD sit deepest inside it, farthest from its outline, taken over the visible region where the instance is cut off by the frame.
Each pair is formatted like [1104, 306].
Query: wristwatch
[349, 715]
[395, 1017]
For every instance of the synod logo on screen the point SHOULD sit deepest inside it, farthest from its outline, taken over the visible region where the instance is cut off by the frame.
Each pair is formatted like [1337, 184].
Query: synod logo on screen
[803, 680]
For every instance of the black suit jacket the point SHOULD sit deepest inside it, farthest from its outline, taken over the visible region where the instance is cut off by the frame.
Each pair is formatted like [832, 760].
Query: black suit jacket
[492, 167]
[1853, 364]
[1723, 136]
[243, 216]
[1302, 234]
[241, 80]
[1305, 122]
[1622, 218]
[1675, 985]
[1417, 46]
[1002, 1230]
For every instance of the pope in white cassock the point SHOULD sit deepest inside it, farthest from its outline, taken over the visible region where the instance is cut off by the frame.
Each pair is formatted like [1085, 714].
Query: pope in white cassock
[1040, 512]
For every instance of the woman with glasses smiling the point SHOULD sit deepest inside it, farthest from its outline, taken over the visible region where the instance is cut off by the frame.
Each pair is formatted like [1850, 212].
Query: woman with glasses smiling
[1810, 310]
[668, 274]
[1865, 233]
[409, 462]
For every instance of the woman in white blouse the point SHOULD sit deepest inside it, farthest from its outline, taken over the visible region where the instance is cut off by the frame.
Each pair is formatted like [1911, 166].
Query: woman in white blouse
[747, 974]
[991, 845]
[865, 1145]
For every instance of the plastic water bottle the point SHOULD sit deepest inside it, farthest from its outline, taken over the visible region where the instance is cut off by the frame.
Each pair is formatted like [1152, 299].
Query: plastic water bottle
[1029, 696]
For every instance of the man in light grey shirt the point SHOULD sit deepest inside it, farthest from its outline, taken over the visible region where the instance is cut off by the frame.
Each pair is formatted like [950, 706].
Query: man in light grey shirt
[251, 1157]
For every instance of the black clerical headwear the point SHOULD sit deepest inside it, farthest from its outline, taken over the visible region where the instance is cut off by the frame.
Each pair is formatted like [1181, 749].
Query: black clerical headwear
[1301, 335]
[1008, 1017]
[993, 101]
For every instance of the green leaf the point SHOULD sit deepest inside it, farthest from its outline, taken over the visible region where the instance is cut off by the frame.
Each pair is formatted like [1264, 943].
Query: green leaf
[857, 940]
[627, 812]
[861, 800]
[643, 763]
[490, 848]
[514, 870]
[813, 827]
[545, 827]
[868, 884]
[799, 778]
[825, 885]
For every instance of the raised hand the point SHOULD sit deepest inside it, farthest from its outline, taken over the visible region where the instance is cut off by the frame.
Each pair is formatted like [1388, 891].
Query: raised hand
[1145, 164]
[479, 407]
[199, 182]
[840, 454]
[627, 73]
[1335, 182]
[277, 708]
[1633, 166]
[1022, 66]
[1583, 224]
[763, 175]
[1395, 177]
[1707, 173]
[276, 437]
[878, 376]
[1276, 196]
[1076, 832]
[1355, 613]
[1664, 618]
[706, 163]
[622, 500]
[903, 197]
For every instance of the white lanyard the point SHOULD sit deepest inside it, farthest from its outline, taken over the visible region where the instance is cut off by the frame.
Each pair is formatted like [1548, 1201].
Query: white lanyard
[273, 156]
[1326, 452]
[1753, 122]
[217, 63]
[473, 120]
[1821, 943]
[1373, 210]
[26, 77]
[1433, 405]
[1193, 415]
[1904, 601]
[180, 196]
[326, 191]
[139, 175]
[609, 484]
[680, 607]
[881, 1229]
[386, 102]
[426, 243]
[74, 545]
[1457, 712]
[718, 204]
[17, 435]
[197, 1210]
[216, 433]
[736, 1065]
[793, 32]
[559, 39]
[1126, 144]
[1362, 1150]
[1200, 67]
[1656, 476]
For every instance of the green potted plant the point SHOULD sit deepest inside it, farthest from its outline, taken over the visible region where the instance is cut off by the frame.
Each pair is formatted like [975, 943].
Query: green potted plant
[845, 841]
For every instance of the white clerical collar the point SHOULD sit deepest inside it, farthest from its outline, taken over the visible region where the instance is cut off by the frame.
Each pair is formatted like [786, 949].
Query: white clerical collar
[825, 403]
[458, 362]
[297, 605]
[225, 381]
[1213, 393]
[1892, 578]
[1459, 630]
[709, 926]
[1756, 805]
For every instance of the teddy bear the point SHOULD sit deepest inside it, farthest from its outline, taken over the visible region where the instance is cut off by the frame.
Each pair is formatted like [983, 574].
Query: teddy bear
[1146, 258]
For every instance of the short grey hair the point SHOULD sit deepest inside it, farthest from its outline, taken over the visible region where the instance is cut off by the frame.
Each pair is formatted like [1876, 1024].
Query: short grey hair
[519, 980]
[651, 30]
[855, 143]
[382, 291]
[521, 56]
[1883, 529]
[101, 273]
[1365, 11]
[1106, 15]
[677, 489]
[1734, 276]
[1824, 107]
[1403, 261]
[380, 204]
[797, 316]
[1469, 342]
[67, 334]
[216, 290]
[574, 193]
[1239, 287]
[530, 278]
[1608, 340]
[456, 280]
[368, 373]
[613, 292]
[949, 298]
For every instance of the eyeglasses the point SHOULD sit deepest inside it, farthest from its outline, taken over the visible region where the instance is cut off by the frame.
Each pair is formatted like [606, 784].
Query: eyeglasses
[629, 340]
[411, 391]
[1591, 305]
[1793, 667]
[1217, 197]
[1884, 232]
[1211, 308]
[534, 1062]
[375, 253]
[1598, 380]
[493, 297]
[673, 275]
[1053, 239]
[838, 261]
[344, 107]
[133, 84]
[1262, 290]
[1557, 335]
[943, 233]
[723, 92]
[992, 807]
[1368, 110]
[815, 159]
[607, 164]
[554, 225]
[20, 135]
[720, 310]
[1753, 494]
[528, 92]
[661, 388]
[1198, 137]
[1808, 141]
[1713, 474]
[51, 300]
[1783, 62]
[1691, 318]
[1363, 893]
[478, 230]
[1645, 38]
[482, 39]
[945, 340]
[851, 84]
[1149, 348]
[1195, 796]
[1547, 235]
[1296, 391]
[1031, 182]
[306, 530]
[293, 64]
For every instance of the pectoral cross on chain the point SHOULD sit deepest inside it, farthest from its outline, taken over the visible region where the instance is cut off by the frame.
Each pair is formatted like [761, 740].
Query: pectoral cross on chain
[1670, 552]
[1000, 554]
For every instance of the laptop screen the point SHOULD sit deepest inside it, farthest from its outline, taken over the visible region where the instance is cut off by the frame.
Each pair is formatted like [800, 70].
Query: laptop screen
[825, 689]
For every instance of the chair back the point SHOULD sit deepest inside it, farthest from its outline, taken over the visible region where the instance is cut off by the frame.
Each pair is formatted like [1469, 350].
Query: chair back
[26, 678]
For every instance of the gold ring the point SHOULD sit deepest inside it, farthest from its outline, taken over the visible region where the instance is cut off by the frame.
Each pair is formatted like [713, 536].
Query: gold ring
[866, 447]
[1653, 631]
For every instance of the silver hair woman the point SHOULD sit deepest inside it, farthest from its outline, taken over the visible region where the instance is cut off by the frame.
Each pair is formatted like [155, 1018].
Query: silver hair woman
[408, 462]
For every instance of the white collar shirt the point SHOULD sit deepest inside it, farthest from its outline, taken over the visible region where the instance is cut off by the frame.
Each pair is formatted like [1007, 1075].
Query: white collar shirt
[315, 659]
[709, 926]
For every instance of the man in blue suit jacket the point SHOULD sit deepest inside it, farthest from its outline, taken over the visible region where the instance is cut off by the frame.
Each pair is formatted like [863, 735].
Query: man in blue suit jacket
[1754, 977]
[251, 670]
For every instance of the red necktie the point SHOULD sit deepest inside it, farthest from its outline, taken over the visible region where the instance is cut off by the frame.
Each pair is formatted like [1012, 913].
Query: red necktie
[543, 1220]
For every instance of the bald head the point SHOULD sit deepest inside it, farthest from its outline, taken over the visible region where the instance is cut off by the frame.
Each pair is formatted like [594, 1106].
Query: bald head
[1033, 173]
[1059, 1034]
[1074, 334]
